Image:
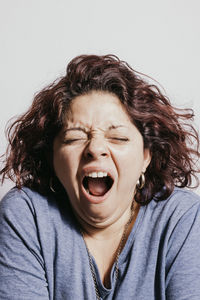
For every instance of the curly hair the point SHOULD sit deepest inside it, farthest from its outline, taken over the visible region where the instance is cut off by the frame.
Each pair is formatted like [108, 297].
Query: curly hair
[167, 132]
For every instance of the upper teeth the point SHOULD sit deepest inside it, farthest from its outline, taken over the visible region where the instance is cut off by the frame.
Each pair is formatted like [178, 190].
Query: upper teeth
[97, 174]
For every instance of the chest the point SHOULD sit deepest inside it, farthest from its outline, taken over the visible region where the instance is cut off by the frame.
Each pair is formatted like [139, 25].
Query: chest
[72, 275]
[105, 254]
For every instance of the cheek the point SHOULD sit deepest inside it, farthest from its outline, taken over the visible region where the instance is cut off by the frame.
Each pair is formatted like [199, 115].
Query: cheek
[130, 157]
[62, 165]
[130, 165]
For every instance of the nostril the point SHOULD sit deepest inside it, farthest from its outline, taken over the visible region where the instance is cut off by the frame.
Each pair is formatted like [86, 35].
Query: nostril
[89, 155]
[104, 154]
[92, 155]
[95, 153]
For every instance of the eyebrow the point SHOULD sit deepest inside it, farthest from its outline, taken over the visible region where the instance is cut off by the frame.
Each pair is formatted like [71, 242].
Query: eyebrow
[85, 131]
[75, 128]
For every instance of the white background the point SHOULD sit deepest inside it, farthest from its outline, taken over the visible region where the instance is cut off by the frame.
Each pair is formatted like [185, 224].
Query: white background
[39, 37]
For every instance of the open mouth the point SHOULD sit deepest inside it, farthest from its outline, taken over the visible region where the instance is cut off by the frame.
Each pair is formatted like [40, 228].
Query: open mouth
[97, 183]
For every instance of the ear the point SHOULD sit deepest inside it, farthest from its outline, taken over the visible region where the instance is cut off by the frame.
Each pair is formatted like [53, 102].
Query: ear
[147, 159]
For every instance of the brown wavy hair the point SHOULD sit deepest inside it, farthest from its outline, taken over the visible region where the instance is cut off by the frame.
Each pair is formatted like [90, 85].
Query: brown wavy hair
[167, 132]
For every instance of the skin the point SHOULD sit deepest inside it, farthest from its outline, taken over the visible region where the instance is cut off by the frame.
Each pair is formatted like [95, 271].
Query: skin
[99, 135]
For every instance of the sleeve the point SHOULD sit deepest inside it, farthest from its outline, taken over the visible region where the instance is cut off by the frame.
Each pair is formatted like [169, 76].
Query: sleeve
[22, 271]
[183, 258]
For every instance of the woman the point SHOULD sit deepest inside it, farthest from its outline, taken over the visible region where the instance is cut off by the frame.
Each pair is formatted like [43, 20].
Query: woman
[100, 161]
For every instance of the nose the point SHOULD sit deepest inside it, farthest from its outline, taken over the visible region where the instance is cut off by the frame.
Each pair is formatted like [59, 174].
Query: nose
[96, 148]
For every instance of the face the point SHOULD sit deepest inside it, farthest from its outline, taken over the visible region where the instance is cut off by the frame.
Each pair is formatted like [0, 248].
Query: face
[98, 157]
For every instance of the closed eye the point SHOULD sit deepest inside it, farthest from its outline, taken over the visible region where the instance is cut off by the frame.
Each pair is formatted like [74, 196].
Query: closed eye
[119, 139]
[71, 141]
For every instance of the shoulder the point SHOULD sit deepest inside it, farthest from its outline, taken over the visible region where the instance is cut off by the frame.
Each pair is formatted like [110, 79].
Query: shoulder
[184, 196]
[21, 199]
[26, 205]
[178, 203]
[182, 201]
[184, 211]
[20, 208]
[182, 208]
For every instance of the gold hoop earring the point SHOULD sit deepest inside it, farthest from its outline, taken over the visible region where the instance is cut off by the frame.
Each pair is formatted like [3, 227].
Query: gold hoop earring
[141, 181]
[51, 185]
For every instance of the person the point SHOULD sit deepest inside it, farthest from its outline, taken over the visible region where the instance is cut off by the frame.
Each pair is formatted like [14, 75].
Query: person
[102, 164]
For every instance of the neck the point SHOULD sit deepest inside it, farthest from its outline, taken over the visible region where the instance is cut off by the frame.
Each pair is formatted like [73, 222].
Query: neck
[112, 230]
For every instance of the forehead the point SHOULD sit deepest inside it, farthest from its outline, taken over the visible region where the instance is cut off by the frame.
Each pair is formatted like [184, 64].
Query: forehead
[97, 109]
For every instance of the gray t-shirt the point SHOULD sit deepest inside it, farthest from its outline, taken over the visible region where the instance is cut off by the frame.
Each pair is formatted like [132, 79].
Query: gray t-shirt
[43, 255]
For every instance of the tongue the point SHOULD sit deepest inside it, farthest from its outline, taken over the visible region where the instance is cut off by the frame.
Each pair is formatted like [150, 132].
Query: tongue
[97, 186]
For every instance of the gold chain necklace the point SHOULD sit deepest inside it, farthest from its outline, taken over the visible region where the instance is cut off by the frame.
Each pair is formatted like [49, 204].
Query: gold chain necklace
[117, 255]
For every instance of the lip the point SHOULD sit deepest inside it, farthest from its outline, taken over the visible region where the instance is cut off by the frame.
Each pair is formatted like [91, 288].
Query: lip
[91, 198]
